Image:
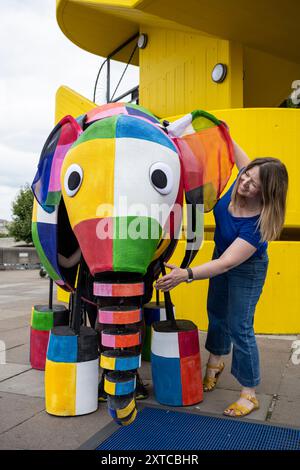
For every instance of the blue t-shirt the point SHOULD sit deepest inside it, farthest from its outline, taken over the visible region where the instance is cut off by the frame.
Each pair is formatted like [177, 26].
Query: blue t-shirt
[228, 227]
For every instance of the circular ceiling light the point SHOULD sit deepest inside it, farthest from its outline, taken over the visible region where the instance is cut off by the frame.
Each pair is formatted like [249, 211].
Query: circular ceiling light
[219, 73]
[142, 41]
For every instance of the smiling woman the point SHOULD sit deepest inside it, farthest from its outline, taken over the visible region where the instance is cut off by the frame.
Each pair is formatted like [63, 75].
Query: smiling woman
[250, 214]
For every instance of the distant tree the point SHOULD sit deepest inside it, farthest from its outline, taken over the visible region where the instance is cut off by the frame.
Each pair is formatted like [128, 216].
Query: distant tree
[20, 227]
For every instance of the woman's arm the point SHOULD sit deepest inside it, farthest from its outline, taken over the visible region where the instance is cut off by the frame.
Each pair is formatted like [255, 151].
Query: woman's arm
[240, 157]
[71, 261]
[238, 252]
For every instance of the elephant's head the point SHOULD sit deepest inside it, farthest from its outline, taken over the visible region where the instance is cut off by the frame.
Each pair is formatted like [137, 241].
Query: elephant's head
[110, 180]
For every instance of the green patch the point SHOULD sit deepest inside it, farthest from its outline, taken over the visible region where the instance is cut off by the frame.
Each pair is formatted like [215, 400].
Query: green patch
[203, 120]
[102, 129]
[42, 321]
[53, 198]
[134, 243]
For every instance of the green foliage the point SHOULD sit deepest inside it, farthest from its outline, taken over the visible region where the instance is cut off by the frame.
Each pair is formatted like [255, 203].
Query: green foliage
[20, 227]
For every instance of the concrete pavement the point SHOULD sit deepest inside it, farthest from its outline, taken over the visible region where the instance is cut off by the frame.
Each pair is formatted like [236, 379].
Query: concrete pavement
[24, 424]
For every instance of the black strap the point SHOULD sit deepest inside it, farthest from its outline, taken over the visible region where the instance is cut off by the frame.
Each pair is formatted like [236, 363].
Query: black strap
[50, 293]
[168, 301]
[76, 316]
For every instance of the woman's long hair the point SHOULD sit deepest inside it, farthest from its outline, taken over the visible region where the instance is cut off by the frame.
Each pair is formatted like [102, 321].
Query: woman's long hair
[274, 184]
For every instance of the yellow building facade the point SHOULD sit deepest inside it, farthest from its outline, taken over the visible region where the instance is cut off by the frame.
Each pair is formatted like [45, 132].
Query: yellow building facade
[185, 41]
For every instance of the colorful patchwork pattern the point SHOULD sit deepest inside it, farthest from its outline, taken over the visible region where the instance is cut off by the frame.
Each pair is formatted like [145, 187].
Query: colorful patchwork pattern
[46, 184]
[206, 152]
[152, 313]
[117, 156]
[71, 373]
[71, 389]
[176, 364]
[42, 321]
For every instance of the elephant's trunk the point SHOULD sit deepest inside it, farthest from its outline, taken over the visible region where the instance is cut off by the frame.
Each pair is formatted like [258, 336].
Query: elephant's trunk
[120, 316]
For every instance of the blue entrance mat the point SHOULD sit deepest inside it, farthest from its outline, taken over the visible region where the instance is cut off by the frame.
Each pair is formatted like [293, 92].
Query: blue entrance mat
[162, 429]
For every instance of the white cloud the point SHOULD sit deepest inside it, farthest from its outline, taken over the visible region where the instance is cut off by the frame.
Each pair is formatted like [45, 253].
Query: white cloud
[36, 58]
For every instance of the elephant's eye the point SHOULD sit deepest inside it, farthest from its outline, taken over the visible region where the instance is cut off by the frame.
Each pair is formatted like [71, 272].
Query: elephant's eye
[73, 179]
[161, 177]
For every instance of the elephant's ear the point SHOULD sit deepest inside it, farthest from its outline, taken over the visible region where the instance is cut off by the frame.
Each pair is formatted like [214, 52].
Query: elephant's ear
[46, 184]
[206, 155]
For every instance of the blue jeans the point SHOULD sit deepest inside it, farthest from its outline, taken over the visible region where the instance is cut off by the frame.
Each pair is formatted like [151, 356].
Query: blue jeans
[231, 302]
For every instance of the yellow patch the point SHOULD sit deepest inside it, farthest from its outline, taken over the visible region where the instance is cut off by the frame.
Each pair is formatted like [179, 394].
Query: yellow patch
[126, 411]
[95, 197]
[34, 210]
[60, 388]
[126, 423]
[107, 362]
[109, 387]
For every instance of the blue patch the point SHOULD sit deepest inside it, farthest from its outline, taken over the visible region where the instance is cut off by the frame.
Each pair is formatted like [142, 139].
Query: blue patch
[129, 363]
[166, 380]
[124, 388]
[151, 315]
[131, 127]
[137, 112]
[62, 348]
[48, 240]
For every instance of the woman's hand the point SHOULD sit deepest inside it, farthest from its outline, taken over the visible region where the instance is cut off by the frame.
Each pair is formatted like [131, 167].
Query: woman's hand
[171, 280]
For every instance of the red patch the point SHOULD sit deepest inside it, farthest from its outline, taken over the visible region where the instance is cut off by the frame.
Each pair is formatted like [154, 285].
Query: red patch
[96, 249]
[188, 343]
[191, 380]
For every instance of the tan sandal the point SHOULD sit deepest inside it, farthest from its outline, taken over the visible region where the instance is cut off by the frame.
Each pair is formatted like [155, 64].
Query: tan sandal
[209, 383]
[241, 410]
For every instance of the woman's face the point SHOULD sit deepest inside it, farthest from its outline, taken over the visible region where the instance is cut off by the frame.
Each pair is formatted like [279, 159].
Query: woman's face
[249, 184]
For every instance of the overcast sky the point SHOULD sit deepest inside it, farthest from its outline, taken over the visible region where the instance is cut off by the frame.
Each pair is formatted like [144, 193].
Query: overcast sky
[36, 58]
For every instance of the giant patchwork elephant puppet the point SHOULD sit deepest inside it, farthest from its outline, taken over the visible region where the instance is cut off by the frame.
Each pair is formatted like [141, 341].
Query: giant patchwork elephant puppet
[101, 182]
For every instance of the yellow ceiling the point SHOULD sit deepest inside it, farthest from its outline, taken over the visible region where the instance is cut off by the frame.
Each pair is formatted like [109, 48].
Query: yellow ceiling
[100, 26]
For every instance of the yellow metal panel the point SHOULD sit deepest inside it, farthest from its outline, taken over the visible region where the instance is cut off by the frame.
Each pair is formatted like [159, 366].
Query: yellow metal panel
[278, 308]
[60, 388]
[89, 24]
[175, 72]
[268, 79]
[262, 25]
[70, 102]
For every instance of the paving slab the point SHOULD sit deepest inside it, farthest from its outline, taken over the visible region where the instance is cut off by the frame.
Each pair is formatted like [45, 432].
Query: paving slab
[16, 409]
[286, 411]
[46, 432]
[18, 354]
[15, 322]
[15, 337]
[12, 371]
[29, 383]
[290, 382]
[217, 401]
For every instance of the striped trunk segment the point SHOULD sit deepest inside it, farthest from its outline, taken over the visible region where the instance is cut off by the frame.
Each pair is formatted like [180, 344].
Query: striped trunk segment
[118, 290]
[120, 360]
[127, 339]
[119, 315]
[119, 383]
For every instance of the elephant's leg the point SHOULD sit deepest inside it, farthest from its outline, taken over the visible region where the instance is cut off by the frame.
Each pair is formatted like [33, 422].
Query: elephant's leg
[121, 339]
